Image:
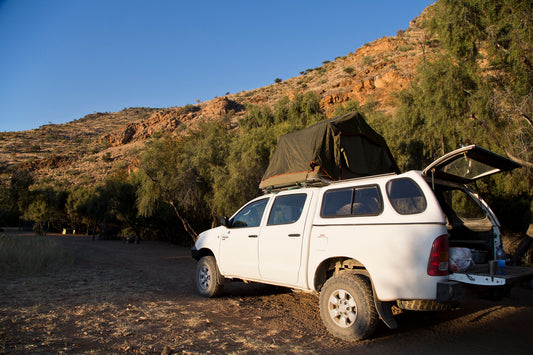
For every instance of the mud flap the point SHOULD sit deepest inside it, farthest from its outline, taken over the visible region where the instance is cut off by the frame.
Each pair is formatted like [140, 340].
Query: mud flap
[385, 313]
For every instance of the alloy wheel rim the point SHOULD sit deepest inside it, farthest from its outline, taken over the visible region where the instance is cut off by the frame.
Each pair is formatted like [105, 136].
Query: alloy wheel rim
[342, 308]
[204, 277]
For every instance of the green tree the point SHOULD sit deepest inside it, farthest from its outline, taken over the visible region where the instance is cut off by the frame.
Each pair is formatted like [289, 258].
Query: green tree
[305, 110]
[256, 116]
[460, 28]
[87, 206]
[20, 183]
[247, 159]
[163, 180]
[120, 193]
[503, 103]
[206, 151]
[76, 206]
[249, 151]
[479, 90]
[281, 110]
[435, 109]
[212, 171]
[47, 208]
[347, 107]
[9, 212]
[37, 211]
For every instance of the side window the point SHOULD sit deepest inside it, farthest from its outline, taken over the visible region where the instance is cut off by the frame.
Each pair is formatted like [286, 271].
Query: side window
[287, 209]
[359, 201]
[406, 196]
[337, 203]
[250, 216]
[367, 201]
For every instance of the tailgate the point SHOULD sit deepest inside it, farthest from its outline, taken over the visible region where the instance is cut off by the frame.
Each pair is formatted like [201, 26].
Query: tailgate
[479, 275]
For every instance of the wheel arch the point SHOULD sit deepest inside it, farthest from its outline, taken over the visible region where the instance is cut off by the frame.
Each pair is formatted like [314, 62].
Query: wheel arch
[198, 254]
[333, 266]
[337, 265]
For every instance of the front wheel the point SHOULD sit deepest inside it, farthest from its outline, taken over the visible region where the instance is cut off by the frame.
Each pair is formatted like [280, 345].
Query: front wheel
[347, 307]
[209, 282]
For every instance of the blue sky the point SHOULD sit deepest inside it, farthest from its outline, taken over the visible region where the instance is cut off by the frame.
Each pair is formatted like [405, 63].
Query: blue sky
[63, 59]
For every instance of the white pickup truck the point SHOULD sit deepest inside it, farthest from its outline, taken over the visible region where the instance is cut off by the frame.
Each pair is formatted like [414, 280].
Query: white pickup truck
[365, 244]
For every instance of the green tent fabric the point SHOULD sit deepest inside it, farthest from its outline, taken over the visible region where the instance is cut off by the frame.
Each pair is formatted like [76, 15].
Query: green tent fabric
[343, 147]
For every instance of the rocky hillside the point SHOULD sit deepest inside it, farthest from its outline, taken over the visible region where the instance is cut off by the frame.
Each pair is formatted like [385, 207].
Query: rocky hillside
[88, 149]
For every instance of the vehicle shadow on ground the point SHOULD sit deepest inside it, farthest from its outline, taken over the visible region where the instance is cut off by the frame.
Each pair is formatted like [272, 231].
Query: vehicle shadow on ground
[244, 290]
[483, 311]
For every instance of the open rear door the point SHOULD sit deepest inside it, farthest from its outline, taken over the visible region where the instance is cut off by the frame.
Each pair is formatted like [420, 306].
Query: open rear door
[467, 164]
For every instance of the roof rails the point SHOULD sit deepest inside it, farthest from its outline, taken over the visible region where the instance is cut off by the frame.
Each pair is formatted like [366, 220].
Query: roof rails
[317, 182]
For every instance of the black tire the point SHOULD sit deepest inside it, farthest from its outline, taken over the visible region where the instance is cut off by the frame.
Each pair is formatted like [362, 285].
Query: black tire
[209, 282]
[347, 307]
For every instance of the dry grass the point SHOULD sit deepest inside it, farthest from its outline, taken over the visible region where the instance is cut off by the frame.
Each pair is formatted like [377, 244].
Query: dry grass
[30, 255]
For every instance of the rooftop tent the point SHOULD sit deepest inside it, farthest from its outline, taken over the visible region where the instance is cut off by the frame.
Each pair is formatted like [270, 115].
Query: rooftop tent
[343, 147]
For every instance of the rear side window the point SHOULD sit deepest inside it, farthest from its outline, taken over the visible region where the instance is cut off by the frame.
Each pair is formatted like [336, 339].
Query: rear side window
[287, 209]
[406, 196]
[359, 201]
[337, 203]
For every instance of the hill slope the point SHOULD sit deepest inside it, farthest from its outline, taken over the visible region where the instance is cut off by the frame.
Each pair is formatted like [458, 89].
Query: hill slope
[88, 149]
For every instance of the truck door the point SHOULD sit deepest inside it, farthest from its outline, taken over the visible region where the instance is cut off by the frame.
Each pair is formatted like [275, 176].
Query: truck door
[238, 245]
[280, 243]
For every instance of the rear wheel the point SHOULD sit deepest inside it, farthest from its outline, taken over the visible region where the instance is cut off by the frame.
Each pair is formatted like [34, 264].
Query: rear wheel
[209, 282]
[347, 307]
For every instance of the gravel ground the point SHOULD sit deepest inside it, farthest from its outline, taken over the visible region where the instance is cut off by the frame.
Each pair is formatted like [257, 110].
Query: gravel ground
[140, 298]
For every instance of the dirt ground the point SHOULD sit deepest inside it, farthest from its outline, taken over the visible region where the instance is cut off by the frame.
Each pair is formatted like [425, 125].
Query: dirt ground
[141, 298]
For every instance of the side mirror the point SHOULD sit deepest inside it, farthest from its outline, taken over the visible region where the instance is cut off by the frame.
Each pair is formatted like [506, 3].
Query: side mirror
[224, 221]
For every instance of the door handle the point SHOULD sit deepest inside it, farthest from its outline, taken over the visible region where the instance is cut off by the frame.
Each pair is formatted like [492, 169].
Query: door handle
[252, 236]
[295, 235]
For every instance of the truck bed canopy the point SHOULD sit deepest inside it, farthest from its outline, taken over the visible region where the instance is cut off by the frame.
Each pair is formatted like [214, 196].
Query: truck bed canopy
[343, 147]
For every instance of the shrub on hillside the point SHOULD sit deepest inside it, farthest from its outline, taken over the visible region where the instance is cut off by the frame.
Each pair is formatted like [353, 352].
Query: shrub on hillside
[349, 70]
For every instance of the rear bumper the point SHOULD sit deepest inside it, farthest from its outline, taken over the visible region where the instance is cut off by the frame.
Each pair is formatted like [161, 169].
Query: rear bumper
[479, 275]
[477, 282]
